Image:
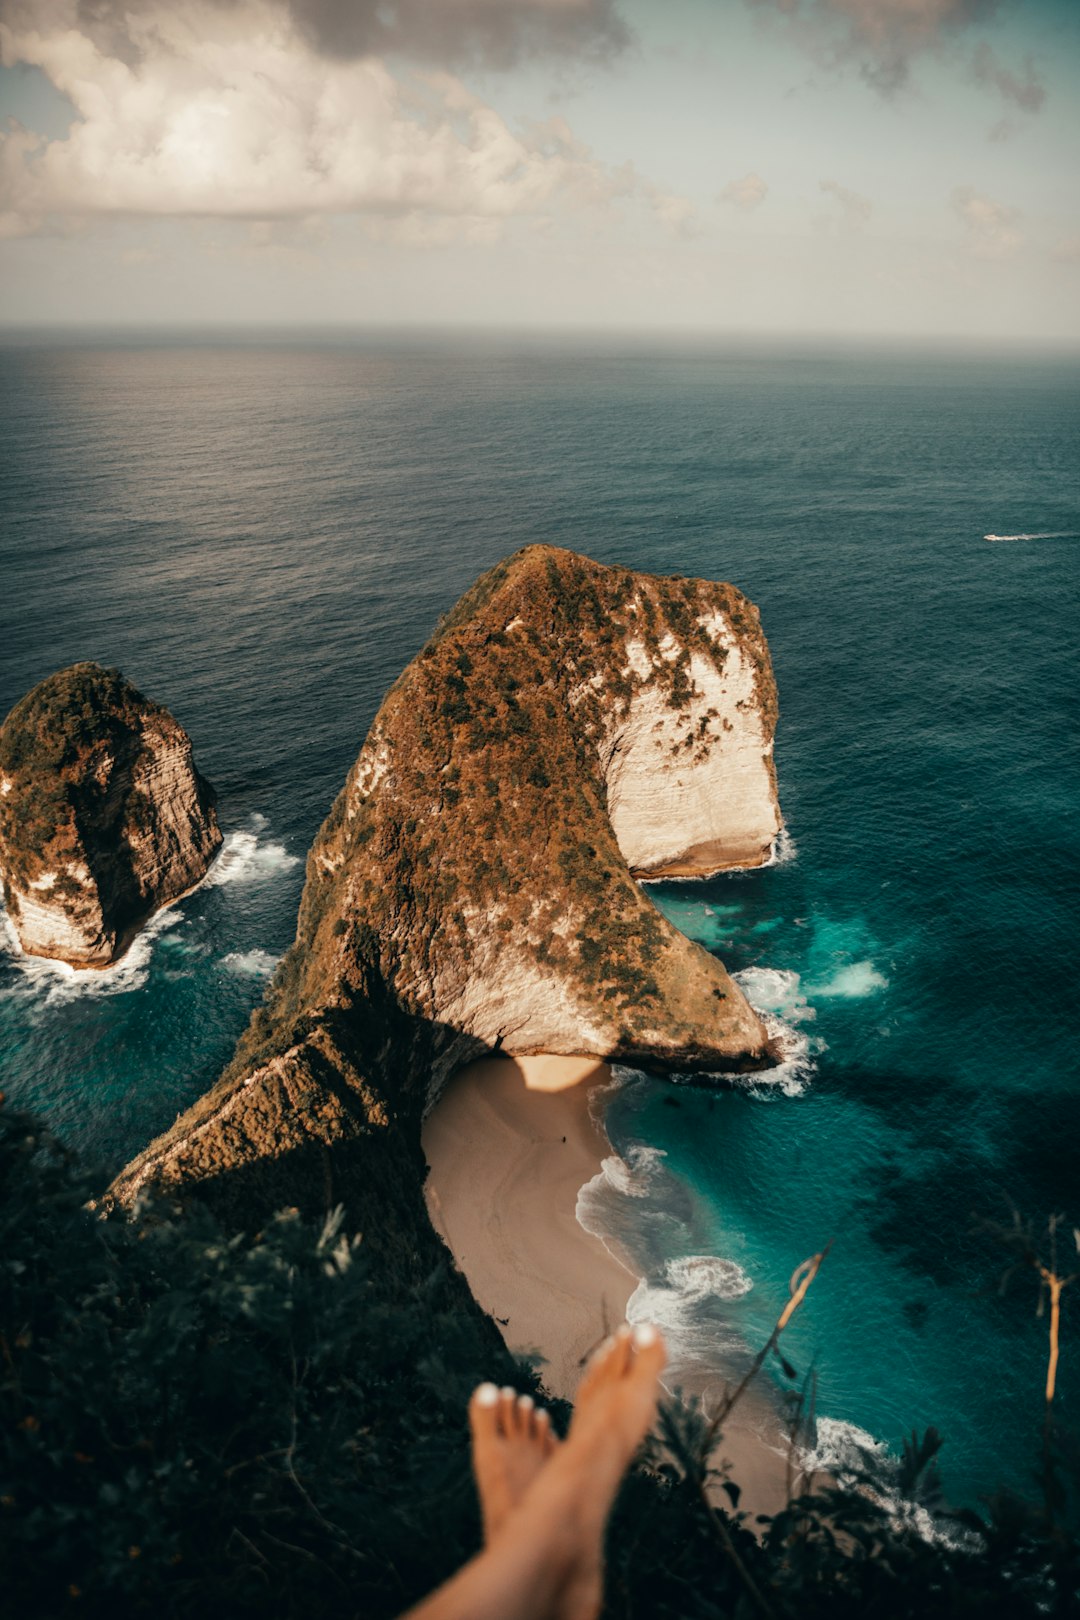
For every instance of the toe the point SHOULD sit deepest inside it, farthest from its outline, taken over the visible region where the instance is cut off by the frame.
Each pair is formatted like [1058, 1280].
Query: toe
[545, 1435]
[526, 1411]
[507, 1410]
[483, 1412]
[647, 1349]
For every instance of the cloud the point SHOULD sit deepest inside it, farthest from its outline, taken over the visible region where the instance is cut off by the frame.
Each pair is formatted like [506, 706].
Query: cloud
[991, 226]
[855, 209]
[882, 38]
[745, 194]
[230, 111]
[1026, 92]
[497, 33]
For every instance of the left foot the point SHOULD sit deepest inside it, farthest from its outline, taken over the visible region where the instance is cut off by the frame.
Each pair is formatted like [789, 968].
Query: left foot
[512, 1439]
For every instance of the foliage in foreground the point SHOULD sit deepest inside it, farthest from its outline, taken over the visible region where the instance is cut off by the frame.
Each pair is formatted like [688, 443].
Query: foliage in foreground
[198, 1423]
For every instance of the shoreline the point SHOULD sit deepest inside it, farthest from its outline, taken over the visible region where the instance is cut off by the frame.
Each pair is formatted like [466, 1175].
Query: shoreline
[509, 1145]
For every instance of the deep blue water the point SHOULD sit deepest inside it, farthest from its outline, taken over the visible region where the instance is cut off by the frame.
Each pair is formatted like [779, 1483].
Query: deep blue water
[260, 535]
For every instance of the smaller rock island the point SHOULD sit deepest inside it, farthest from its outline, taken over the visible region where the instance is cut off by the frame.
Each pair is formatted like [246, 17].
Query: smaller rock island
[104, 817]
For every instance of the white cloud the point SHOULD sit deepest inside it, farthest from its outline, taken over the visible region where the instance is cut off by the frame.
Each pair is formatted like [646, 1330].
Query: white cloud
[855, 209]
[991, 226]
[230, 111]
[745, 194]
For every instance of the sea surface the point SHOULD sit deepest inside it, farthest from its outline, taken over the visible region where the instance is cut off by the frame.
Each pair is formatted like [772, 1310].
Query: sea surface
[261, 533]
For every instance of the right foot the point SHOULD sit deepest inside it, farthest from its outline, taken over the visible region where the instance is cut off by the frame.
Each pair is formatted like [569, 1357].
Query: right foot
[613, 1412]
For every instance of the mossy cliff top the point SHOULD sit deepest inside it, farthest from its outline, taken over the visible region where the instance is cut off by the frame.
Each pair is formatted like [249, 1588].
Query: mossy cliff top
[103, 815]
[470, 889]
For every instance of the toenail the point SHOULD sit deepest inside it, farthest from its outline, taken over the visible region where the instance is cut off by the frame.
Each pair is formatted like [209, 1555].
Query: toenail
[624, 1331]
[507, 1393]
[526, 1402]
[485, 1395]
[645, 1335]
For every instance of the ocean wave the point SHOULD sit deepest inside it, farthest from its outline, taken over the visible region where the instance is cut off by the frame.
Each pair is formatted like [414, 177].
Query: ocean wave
[845, 1451]
[852, 982]
[784, 850]
[245, 858]
[59, 981]
[634, 1175]
[856, 1460]
[707, 1276]
[773, 992]
[687, 1301]
[791, 1076]
[250, 964]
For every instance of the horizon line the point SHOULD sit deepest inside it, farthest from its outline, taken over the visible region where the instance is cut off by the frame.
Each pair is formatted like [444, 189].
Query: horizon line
[1061, 346]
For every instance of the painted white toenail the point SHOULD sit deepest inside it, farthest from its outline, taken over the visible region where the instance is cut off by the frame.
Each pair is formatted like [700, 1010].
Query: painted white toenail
[507, 1393]
[486, 1395]
[526, 1403]
[645, 1335]
[624, 1332]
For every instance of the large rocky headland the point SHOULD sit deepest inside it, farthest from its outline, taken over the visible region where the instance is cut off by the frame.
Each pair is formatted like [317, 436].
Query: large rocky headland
[569, 729]
[104, 818]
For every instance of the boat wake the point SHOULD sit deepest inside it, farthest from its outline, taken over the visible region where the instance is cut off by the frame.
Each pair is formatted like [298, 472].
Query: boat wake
[1050, 534]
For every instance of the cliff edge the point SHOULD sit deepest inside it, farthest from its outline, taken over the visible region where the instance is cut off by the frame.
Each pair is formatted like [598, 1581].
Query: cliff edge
[569, 727]
[104, 818]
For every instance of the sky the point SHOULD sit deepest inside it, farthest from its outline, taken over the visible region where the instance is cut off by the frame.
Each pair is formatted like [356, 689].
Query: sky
[893, 168]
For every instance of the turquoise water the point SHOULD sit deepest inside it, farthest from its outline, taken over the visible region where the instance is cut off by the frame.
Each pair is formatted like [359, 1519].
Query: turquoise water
[261, 534]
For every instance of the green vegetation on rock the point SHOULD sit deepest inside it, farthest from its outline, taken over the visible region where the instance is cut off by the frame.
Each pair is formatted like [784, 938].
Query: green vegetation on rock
[103, 816]
[269, 1421]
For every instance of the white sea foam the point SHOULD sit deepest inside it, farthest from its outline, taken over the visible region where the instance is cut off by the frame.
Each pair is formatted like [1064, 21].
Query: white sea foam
[58, 981]
[784, 849]
[707, 1276]
[633, 1175]
[775, 990]
[845, 1451]
[245, 858]
[686, 1302]
[849, 1454]
[1053, 534]
[855, 980]
[251, 964]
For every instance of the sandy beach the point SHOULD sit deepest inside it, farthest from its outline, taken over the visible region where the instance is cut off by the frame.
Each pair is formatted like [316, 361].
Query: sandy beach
[510, 1144]
[508, 1156]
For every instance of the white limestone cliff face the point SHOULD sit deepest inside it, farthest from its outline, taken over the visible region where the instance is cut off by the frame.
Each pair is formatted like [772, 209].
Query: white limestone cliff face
[105, 819]
[707, 804]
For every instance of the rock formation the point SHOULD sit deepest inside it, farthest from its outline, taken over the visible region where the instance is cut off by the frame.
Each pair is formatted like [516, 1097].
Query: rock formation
[471, 890]
[103, 817]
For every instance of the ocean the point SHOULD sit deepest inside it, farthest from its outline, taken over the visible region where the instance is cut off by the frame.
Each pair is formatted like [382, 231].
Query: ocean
[261, 532]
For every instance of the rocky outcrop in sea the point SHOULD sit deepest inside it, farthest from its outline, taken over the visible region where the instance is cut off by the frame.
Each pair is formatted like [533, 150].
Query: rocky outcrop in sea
[569, 729]
[104, 817]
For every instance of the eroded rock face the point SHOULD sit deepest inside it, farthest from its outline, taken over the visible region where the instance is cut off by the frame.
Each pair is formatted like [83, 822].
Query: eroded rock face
[104, 818]
[471, 890]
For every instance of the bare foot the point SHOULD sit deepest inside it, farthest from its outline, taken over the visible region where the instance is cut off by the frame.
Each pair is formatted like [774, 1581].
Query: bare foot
[512, 1439]
[545, 1560]
[613, 1412]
